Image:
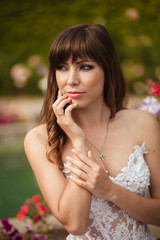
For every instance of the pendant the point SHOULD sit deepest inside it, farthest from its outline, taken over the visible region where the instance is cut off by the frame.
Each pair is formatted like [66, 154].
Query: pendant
[102, 157]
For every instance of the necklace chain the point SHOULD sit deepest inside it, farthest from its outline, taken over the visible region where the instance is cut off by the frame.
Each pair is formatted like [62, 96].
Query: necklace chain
[101, 156]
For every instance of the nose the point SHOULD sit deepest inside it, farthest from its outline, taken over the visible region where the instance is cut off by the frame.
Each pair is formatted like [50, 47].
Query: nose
[73, 77]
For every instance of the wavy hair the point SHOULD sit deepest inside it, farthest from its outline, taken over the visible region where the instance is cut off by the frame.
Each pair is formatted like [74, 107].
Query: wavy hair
[95, 43]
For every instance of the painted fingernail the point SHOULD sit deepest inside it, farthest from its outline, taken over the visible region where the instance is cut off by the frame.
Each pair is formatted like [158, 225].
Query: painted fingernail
[68, 157]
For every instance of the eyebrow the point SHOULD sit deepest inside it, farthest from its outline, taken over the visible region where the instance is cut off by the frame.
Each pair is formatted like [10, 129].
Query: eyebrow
[86, 60]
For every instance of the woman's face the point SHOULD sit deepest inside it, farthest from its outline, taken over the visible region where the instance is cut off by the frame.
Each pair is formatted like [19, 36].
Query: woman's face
[82, 81]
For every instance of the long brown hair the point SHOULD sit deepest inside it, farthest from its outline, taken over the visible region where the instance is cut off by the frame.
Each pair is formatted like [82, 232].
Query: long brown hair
[94, 42]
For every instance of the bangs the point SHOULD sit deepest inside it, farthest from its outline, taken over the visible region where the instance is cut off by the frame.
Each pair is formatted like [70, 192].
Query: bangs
[75, 44]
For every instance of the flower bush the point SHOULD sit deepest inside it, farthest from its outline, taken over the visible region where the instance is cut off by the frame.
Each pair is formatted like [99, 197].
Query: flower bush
[9, 232]
[152, 102]
[35, 208]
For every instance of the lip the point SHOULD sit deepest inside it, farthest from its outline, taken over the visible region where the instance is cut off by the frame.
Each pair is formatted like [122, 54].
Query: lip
[75, 94]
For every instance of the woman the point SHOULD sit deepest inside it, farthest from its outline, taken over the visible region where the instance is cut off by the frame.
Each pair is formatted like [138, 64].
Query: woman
[94, 160]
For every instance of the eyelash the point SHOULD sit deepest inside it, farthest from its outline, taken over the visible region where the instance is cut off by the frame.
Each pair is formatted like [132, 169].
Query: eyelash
[61, 67]
[84, 67]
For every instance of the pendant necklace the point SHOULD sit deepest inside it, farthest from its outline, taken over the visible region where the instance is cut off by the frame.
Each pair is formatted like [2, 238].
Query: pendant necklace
[101, 156]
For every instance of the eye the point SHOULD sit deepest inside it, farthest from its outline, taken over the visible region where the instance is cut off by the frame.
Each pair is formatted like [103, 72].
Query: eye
[61, 68]
[86, 67]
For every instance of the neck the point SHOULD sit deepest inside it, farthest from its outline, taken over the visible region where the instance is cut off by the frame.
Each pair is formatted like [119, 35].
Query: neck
[91, 116]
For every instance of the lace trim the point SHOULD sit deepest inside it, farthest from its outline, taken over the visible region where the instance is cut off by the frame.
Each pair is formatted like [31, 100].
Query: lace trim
[136, 175]
[140, 149]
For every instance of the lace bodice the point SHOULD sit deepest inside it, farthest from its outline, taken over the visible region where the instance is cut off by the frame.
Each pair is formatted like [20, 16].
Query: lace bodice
[109, 222]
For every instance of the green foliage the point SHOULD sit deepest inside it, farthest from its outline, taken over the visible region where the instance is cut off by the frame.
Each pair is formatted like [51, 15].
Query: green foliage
[17, 181]
[29, 27]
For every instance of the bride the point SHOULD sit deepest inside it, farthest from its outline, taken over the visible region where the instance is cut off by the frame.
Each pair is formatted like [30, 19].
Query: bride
[94, 159]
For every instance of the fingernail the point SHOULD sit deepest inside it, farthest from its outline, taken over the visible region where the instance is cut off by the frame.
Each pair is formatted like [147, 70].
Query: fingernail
[73, 178]
[73, 150]
[68, 157]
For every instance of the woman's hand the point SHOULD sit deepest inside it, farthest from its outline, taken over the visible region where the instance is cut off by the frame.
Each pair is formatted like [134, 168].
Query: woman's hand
[65, 120]
[90, 175]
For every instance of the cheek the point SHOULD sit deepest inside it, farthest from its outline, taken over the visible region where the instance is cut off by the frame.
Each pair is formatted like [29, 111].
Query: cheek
[60, 81]
[96, 82]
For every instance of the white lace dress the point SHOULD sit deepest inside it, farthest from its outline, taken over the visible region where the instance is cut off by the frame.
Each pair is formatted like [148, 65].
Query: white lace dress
[109, 222]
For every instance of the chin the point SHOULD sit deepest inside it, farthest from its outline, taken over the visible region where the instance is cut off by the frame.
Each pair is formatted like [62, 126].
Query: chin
[81, 104]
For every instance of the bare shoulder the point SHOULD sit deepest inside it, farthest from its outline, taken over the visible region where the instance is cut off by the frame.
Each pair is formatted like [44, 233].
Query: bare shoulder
[145, 126]
[35, 142]
[141, 119]
[38, 134]
[145, 121]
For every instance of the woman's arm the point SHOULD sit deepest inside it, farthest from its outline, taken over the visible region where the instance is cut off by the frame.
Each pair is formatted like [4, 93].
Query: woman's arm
[95, 179]
[69, 203]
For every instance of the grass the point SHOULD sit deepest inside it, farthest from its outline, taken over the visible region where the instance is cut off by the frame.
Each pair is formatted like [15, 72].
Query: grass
[17, 181]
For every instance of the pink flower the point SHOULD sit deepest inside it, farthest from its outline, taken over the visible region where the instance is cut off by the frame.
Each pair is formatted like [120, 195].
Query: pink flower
[38, 217]
[34, 208]
[36, 236]
[155, 89]
[42, 208]
[6, 224]
[18, 237]
[36, 198]
[11, 231]
[23, 212]
[150, 82]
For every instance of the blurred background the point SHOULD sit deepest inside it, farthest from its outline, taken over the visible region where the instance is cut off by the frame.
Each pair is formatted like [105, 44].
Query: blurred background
[27, 30]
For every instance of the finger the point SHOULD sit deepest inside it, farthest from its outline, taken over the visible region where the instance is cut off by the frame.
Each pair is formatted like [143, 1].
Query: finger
[61, 98]
[58, 106]
[69, 109]
[77, 172]
[59, 93]
[85, 159]
[81, 183]
[89, 154]
[63, 103]
[79, 164]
